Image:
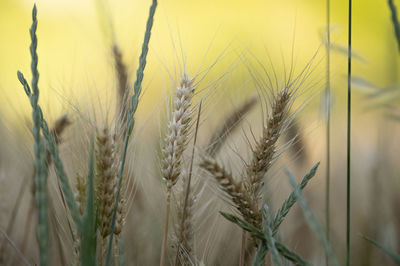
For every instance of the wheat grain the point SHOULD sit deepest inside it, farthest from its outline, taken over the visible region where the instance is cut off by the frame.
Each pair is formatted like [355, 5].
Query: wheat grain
[107, 176]
[265, 149]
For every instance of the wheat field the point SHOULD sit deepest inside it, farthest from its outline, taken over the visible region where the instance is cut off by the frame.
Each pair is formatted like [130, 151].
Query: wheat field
[199, 133]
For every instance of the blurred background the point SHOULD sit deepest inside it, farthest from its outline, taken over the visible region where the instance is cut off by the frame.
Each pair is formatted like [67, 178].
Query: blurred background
[77, 73]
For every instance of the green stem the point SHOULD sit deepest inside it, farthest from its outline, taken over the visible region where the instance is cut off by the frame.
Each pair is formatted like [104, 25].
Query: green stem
[348, 140]
[135, 100]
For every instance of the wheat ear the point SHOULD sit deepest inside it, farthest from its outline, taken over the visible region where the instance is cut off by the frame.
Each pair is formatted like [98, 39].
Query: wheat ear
[184, 227]
[265, 149]
[185, 230]
[234, 190]
[106, 167]
[175, 142]
[122, 89]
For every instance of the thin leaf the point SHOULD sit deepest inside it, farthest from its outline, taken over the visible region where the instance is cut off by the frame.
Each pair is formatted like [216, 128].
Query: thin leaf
[88, 230]
[42, 232]
[342, 49]
[262, 251]
[283, 250]
[270, 241]
[291, 255]
[55, 156]
[395, 257]
[395, 20]
[321, 235]
[291, 200]
[244, 225]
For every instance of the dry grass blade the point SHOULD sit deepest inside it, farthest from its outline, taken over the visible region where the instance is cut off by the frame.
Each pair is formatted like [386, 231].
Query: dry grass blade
[122, 89]
[221, 133]
[295, 138]
[20, 255]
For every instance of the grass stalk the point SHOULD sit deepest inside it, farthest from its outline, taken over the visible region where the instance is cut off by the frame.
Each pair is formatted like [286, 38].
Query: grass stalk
[19, 253]
[137, 87]
[243, 249]
[41, 196]
[39, 148]
[28, 224]
[88, 232]
[320, 234]
[55, 156]
[165, 237]
[296, 259]
[348, 190]
[395, 21]
[395, 257]
[270, 241]
[328, 120]
[13, 216]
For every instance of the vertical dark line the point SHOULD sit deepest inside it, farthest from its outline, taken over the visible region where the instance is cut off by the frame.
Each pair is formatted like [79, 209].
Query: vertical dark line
[348, 140]
[396, 25]
[328, 120]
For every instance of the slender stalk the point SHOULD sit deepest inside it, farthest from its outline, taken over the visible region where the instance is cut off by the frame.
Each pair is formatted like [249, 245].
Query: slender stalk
[28, 224]
[348, 140]
[19, 253]
[328, 121]
[165, 238]
[116, 252]
[13, 216]
[395, 21]
[137, 88]
[312, 221]
[243, 248]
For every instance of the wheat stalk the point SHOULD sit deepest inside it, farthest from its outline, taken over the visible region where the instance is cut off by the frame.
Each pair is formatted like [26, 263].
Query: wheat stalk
[122, 90]
[137, 87]
[185, 227]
